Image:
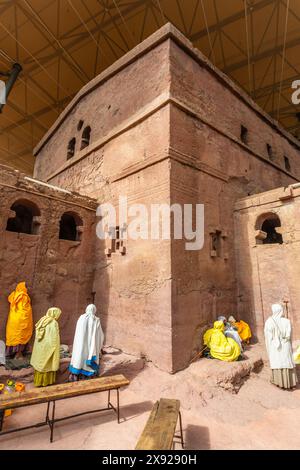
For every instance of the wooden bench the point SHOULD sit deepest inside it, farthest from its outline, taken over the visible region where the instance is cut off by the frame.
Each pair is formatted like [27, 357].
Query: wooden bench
[159, 432]
[53, 393]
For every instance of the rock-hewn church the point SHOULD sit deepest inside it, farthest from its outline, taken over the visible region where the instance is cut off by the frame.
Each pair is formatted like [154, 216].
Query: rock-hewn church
[161, 125]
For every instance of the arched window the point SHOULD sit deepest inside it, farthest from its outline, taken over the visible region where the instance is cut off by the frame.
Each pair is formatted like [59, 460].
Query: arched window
[26, 219]
[71, 148]
[268, 223]
[70, 227]
[86, 137]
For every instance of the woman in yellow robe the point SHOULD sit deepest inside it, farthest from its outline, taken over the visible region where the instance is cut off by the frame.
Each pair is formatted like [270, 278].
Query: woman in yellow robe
[46, 349]
[19, 324]
[243, 329]
[297, 356]
[222, 348]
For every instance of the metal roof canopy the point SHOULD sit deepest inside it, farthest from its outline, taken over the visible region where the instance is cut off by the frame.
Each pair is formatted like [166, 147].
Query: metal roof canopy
[63, 44]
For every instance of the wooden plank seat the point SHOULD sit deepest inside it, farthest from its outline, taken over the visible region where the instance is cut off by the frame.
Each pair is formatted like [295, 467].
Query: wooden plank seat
[53, 393]
[159, 432]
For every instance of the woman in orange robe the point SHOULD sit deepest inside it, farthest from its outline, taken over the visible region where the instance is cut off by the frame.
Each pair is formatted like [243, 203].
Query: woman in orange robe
[19, 325]
[243, 329]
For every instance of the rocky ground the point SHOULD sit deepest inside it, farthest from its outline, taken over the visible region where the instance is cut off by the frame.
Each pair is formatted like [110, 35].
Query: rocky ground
[224, 406]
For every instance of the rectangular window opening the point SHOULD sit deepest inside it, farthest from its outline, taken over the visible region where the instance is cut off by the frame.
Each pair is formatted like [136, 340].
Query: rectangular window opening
[244, 134]
[270, 152]
[287, 163]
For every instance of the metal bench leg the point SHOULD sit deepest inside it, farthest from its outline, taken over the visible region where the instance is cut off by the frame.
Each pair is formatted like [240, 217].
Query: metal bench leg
[47, 414]
[52, 421]
[110, 406]
[181, 432]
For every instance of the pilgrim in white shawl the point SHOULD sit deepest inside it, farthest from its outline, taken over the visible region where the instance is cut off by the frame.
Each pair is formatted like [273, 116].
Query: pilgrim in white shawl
[2, 353]
[278, 333]
[87, 345]
[231, 332]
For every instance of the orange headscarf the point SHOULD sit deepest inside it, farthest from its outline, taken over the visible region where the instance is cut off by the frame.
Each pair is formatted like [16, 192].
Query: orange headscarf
[243, 330]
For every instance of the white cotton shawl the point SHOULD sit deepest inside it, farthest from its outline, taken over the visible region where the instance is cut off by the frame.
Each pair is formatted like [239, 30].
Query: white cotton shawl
[230, 332]
[2, 352]
[278, 332]
[88, 342]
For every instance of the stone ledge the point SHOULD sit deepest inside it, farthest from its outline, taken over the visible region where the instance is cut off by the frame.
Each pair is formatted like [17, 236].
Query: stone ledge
[229, 376]
[26, 374]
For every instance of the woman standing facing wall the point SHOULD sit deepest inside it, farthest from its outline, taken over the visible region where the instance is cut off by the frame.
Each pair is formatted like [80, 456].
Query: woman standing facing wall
[278, 334]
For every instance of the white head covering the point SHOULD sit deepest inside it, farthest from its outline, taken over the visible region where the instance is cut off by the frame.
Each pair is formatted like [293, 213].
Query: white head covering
[277, 311]
[222, 318]
[231, 319]
[91, 309]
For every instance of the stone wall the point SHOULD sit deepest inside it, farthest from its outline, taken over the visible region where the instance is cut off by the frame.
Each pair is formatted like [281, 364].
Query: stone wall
[57, 272]
[133, 291]
[210, 165]
[268, 273]
[138, 282]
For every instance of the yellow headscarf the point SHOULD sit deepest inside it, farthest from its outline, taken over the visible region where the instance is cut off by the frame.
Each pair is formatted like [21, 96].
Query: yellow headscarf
[219, 325]
[53, 313]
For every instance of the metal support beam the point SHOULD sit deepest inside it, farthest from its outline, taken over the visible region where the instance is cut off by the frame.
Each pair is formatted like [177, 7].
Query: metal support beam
[263, 55]
[231, 19]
